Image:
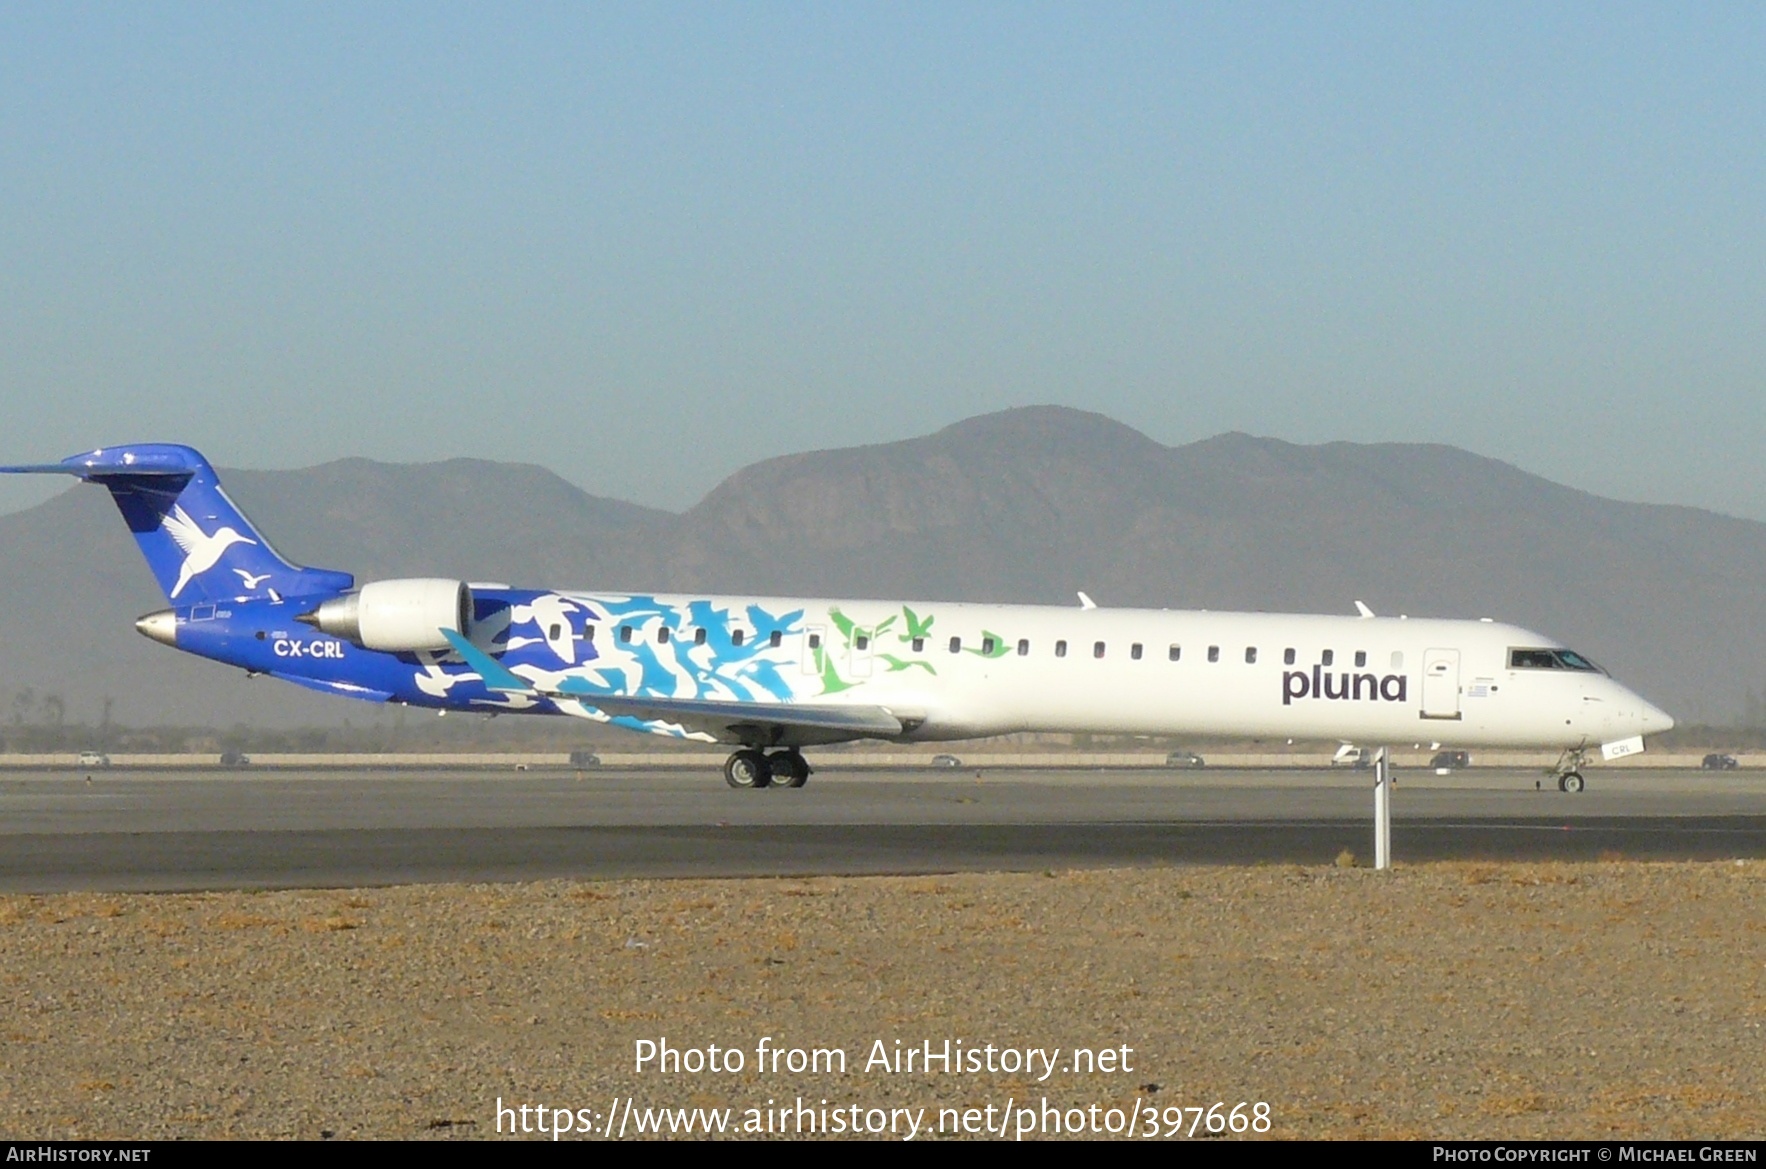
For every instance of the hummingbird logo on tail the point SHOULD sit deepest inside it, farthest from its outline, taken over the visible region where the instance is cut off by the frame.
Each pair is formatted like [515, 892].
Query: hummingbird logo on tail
[201, 550]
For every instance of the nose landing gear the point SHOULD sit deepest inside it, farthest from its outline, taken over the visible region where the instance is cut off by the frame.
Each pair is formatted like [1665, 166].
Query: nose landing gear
[1569, 770]
[748, 768]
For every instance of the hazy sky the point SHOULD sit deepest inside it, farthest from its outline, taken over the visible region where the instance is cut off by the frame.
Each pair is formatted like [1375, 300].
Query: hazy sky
[646, 245]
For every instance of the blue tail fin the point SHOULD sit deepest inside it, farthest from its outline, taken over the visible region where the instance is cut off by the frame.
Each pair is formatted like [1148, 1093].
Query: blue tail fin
[199, 545]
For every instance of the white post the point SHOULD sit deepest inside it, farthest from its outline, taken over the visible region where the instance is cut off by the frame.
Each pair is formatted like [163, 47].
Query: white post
[1382, 809]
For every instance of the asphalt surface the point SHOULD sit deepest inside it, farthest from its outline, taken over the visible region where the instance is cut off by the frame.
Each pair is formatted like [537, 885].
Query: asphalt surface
[60, 831]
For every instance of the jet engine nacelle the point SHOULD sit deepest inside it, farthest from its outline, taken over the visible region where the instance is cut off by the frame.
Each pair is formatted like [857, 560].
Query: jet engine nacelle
[398, 616]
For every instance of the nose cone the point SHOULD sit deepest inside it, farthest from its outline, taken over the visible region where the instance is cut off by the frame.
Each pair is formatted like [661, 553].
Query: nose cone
[1656, 720]
[161, 626]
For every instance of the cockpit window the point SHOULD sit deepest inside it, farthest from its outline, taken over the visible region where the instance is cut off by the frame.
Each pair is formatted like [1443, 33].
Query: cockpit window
[1575, 661]
[1550, 659]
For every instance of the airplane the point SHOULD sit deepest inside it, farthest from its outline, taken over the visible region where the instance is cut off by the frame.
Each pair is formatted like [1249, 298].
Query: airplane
[771, 676]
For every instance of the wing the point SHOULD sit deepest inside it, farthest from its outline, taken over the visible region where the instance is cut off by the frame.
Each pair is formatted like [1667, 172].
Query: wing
[741, 722]
[725, 721]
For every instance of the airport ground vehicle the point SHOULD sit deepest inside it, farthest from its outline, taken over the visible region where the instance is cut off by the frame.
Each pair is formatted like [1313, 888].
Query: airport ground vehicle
[1718, 762]
[1349, 755]
[94, 759]
[946, 761]
[1187, 759]
[1445, 761]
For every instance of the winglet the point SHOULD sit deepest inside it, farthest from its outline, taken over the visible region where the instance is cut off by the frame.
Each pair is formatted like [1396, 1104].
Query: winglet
[1363, 609]
[1086, 602]
[496, 676]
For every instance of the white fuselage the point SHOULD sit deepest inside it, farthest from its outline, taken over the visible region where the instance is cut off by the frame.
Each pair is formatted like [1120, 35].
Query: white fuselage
[977, 669]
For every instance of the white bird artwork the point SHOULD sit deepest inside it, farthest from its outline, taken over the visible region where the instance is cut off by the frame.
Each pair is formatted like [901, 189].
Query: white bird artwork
[201, 551]
[251, 582]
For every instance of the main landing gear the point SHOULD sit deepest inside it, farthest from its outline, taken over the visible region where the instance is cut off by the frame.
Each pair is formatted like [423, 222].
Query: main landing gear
[748, 768]
[1569, 770]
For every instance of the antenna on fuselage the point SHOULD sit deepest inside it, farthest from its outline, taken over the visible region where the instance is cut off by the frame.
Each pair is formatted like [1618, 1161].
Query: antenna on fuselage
[1363, 609]
[1086, 602]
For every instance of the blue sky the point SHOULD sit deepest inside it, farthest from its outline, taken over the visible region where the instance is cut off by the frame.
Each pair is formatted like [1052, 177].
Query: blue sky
[644, 245]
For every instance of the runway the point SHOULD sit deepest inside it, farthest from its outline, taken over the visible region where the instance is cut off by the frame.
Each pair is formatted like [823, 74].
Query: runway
[345, 828]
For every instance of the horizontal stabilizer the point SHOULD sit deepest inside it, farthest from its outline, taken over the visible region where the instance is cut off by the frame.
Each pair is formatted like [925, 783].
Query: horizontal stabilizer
[144, 459]
[199, 545]
[49, 469]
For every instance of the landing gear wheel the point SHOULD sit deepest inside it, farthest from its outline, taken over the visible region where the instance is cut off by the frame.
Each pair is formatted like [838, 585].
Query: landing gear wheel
[1569, 769]
[790, 769]
[747, 769]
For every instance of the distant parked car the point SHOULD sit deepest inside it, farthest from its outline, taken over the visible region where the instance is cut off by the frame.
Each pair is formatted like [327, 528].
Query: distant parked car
[1715, 762]
[1445, 761]
[94, 759]
[235, 759]
[584, 759]
[1185, 759]
[946, 761]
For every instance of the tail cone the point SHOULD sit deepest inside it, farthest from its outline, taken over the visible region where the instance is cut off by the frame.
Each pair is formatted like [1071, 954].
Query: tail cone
[161, 626]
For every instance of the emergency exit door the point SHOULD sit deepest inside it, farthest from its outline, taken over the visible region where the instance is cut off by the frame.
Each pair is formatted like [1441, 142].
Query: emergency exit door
[1441, 683]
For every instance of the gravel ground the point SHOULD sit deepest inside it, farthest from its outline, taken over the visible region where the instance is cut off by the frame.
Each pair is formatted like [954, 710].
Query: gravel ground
[1450, 1000]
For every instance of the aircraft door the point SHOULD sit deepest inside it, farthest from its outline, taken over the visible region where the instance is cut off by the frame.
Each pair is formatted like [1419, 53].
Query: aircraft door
[861, 653]
[1441, 683]
[815, 641]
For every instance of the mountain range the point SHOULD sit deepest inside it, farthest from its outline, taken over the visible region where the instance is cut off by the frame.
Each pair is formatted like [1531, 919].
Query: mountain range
[1026, 505]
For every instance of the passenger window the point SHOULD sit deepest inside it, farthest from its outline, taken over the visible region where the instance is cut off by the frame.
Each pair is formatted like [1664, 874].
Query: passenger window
[554, 631]
[736, 637]
[625, 635]
[1287, 657]
[815, 641]
[1214, 653]
[1397, 659]
[699, 636]
[1023, 647]
[589, 633]
[862, 642]
[956, 645]
[1360, 658]
[987, 647]
[1134, 651]
[777, 638]
[1326, 658]
[919, 644]
[1250, 655]
[662, 636]
[1174, 653]
[1097, 649]
[1060, 649]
